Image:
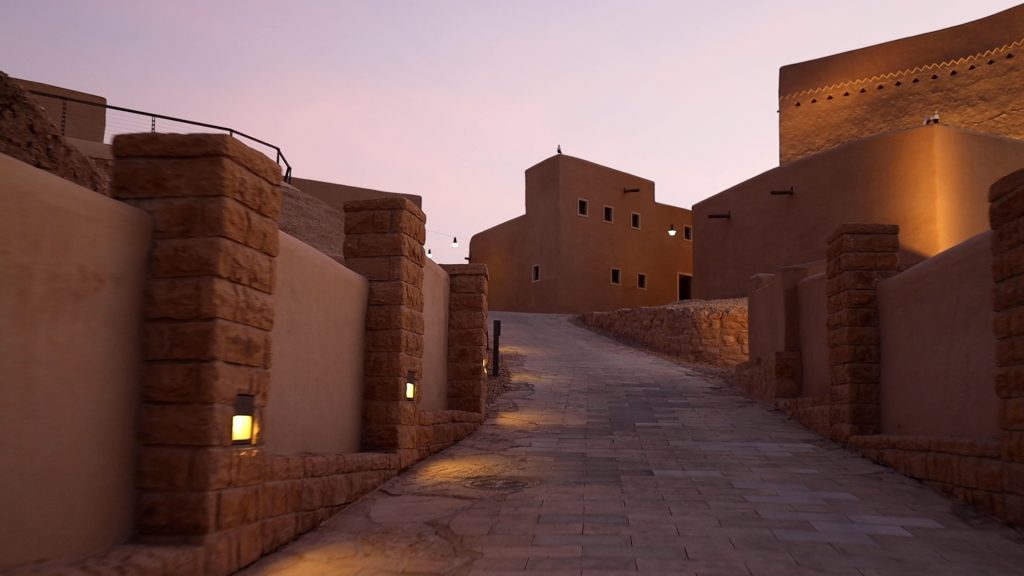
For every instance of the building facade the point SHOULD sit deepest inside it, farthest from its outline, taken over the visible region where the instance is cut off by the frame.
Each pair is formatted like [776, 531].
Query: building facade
[592, 238]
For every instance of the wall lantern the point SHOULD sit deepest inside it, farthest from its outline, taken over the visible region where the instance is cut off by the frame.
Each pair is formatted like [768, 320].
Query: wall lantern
[410, 386]
[672, 230]
[430, 254]
[243, 420]
[455, 241]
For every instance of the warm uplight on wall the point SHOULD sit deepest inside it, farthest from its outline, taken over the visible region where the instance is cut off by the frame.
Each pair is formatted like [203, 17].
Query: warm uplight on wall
[455, 242]
[242, 421]
[410, 386]
[671, 230]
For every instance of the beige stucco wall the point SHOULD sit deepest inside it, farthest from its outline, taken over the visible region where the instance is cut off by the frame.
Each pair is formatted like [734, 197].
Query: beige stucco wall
[81, 121]
[821, 104]
[925, 180]
[434, 384]
[72, 272]
[937, 346]
[576, 253]
[765, 324]
[816, 377]
[316, 381]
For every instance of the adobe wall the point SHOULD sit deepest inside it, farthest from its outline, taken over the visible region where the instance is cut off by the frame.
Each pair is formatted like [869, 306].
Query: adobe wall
[812, 303]
[315, 396]
[510, 251]
[937, 346]
[72, 275]
[968, 73]
[436, 288]
[312, 221]
[703, 331]
[931, 181]
[71, 119]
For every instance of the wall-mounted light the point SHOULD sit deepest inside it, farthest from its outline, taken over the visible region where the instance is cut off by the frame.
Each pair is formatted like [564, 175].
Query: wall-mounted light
[242, 422]
[430, 254]
[720, 216]
[672, 230]
[455, 242]
[410, 386]
[782, 192]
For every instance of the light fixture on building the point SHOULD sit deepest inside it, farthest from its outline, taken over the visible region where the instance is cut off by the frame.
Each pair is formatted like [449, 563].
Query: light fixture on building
[430, 254]
[242, 421]
[410, 386]
[455, 242]
[671, 230]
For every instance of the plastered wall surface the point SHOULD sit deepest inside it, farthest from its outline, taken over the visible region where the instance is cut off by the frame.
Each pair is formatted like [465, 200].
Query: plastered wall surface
[813, 310]
[316, 381]
[937, 346]
[72, 272]
[921, 179]
[967, 73]
[434, 385]
[576, 253]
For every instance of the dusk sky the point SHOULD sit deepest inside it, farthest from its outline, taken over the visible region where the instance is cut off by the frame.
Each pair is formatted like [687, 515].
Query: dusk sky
[453, 100]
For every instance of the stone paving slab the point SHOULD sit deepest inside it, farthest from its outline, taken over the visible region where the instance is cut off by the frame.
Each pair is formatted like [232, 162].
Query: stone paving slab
[631, 464]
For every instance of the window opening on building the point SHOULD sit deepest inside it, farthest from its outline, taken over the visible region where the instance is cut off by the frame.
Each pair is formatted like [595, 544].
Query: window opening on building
[609, 214]
[536, 272]
[582, 207]
[641, 281]
[616, 276]
[688, 232]
[634, 220]
[684, 287]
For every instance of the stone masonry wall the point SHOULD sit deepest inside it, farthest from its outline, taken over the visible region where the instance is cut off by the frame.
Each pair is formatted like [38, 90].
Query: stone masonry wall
[704, 331]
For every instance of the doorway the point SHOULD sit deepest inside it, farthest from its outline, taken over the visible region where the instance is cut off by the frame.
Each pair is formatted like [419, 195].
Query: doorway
[684, 286]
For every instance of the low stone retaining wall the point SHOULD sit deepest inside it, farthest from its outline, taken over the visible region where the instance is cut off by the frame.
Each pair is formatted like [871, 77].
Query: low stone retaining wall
[705, 331]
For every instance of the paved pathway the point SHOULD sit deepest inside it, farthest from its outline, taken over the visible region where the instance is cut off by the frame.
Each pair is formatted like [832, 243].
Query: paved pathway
[633, 464]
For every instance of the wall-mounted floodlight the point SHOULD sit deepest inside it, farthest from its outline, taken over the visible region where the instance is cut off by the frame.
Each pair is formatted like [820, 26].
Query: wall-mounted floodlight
[782, 192]
[410, 386]
[628, 190]
[720, 216]
[242, 422]
[455, 242]
[672, 230]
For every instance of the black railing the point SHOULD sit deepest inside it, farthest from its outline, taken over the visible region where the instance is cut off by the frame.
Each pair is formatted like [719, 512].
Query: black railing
[278, 155]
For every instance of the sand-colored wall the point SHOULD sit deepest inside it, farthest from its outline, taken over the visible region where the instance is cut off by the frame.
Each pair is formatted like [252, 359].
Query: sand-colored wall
[316, 381]
[335, 195]
[576, 253]
[852, 95]
[937, 346]
[434, 384]
[766, 324]
[82, 121]
[72, 272]
[921, 179]
[812, 298]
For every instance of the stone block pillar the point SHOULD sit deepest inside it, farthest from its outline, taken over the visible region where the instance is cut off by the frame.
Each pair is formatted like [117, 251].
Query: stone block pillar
[858, 256]
[209, 311]
[467, 337]
[384, 242]
[1006, 216]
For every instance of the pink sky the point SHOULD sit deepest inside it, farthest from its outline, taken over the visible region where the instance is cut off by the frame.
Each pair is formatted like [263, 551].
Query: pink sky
[453, 100]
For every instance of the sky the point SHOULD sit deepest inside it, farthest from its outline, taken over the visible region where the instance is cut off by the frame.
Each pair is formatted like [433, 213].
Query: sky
[453, 100]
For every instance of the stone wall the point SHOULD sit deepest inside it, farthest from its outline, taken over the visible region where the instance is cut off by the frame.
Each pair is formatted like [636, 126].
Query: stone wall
[704, 331]
[27, 135]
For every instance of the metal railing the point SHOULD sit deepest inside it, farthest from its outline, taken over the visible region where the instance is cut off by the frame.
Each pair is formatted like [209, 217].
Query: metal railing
[270, 150]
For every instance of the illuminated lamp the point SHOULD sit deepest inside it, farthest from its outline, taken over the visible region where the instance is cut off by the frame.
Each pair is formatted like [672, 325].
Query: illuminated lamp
[430, 254]
[455, 242]
[671, 230]
[410, 386]
[243, 420]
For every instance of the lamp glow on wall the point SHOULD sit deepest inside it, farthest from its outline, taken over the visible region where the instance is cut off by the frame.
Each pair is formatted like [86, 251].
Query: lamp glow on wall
[672, 230]
[243, 420]
[410, 386]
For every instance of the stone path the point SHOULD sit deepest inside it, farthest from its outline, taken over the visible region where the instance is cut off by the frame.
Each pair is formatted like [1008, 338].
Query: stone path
[618, 462]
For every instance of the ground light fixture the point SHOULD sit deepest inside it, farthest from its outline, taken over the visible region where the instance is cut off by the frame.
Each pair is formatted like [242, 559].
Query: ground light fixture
[672, 230]
[455, 242]
[410, 386]
[242, 422]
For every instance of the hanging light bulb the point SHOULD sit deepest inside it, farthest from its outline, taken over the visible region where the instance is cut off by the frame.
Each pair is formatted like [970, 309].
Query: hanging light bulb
[430, 254]
[455, 242]
[671, 230]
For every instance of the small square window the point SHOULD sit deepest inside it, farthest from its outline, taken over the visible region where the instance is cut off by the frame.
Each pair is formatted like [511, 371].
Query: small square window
[634, 220]
[536, 272]
[582, 207]
[641, 281]
[688, 232]
[609, 214]
[616, 276]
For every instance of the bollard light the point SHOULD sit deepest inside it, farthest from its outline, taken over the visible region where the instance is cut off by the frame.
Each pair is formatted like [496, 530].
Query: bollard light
[242, 421]
[410, 386]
